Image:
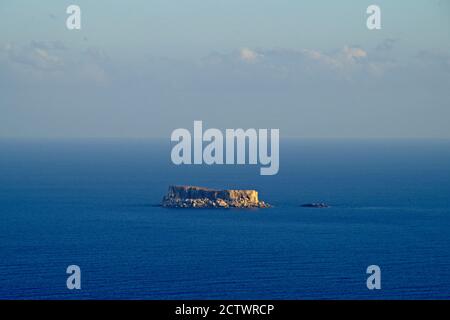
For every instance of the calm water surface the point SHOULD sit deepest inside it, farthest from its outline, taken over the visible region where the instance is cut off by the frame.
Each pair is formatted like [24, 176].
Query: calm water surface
[94, 203]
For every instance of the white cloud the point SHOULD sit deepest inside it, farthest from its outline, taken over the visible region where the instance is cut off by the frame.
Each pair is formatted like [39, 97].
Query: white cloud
[37, 55]
[248, 55]
[345, 59]
[320, 57]
[352, 53]
[52, 61]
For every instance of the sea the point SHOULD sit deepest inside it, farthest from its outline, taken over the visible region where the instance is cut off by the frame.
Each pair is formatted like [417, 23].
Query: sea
[95, 203]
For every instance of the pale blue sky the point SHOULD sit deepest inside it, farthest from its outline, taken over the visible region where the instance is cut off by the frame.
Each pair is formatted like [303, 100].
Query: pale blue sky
[177, 28]
[143, 68]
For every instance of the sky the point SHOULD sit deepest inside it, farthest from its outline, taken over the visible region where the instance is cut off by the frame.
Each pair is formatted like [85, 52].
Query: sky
[143, 68]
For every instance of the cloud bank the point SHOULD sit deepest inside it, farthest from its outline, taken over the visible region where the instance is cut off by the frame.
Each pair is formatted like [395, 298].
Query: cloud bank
[351, 91]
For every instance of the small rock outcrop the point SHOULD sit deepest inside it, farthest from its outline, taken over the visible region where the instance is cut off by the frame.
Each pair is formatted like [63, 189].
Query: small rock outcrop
[199, 197]
[315, 205]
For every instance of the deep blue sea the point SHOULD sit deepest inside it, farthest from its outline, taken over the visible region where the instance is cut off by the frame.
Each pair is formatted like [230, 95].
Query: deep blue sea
[94, 203]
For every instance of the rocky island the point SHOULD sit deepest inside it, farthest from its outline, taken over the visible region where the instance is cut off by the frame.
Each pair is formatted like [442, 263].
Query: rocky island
[199, 197]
